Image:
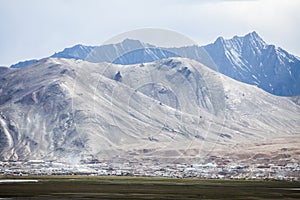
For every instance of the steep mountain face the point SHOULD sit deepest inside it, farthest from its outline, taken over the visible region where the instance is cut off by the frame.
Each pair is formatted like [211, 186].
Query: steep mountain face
[171, 109]
[250, 60]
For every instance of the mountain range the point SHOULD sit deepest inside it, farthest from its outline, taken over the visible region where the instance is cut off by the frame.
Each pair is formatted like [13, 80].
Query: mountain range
[168, 109]
[247, 59]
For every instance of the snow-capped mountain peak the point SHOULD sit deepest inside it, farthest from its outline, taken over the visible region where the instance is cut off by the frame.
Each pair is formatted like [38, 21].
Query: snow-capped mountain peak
[254, 37]
[251, 60]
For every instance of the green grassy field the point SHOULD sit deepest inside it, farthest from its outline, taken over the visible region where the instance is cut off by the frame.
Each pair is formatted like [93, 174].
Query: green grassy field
[83, 187]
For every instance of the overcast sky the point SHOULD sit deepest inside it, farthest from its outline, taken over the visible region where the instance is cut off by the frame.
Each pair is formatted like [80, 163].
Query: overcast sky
[38, 28]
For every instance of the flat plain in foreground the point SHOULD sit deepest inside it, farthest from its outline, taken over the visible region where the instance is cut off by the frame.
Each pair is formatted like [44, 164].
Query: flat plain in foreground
[84, 187]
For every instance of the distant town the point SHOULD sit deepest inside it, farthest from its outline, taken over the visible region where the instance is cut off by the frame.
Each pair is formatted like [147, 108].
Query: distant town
[288, 172]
